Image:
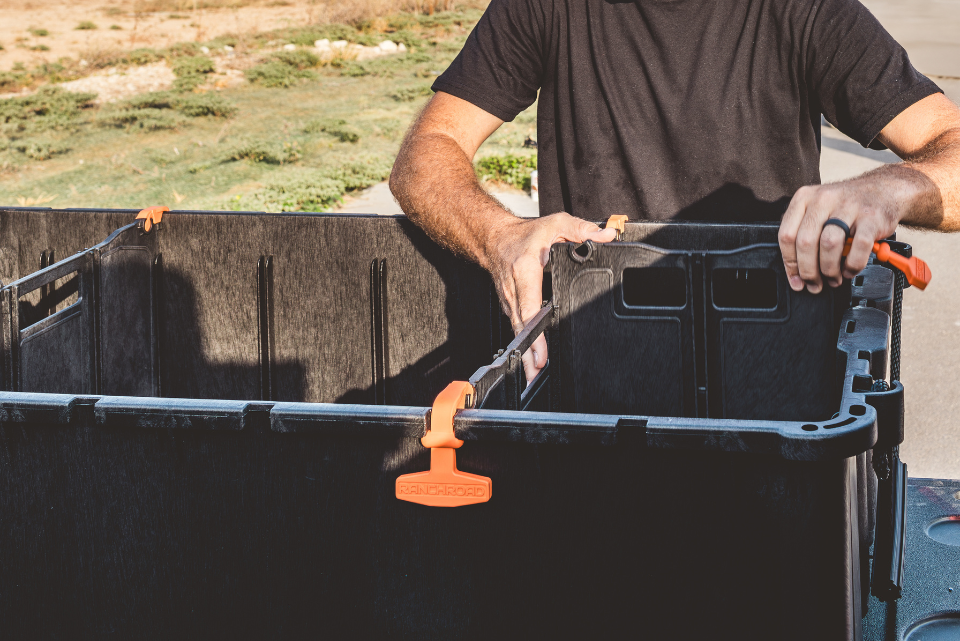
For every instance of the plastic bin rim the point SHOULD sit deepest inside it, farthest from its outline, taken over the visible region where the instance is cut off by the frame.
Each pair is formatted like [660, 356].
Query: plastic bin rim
[853, 435]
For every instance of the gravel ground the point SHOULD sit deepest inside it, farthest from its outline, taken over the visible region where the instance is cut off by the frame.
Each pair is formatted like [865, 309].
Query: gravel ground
[115, 84]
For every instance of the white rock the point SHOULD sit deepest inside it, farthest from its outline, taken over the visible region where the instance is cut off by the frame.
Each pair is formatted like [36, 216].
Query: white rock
[289, 47]
[401, 48]
[227, 48]
[365, 53]
[388, 46]
[322, 44]
[339, 44]
[205, 50]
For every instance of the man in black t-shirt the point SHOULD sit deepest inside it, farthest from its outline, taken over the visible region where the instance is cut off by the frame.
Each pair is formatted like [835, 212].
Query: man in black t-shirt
[680, 109]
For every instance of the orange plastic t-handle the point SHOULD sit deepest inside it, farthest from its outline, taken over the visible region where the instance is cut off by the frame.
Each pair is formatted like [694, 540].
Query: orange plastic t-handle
[444, 485]
[618, 222]
[151, 216]
[916, 271]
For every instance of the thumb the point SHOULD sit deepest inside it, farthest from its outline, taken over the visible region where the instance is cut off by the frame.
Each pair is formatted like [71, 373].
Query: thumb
[601, 235]
[577, 230]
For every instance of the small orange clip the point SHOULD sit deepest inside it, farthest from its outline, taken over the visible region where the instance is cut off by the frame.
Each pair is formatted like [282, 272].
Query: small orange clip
[618, 222]
[916, 271]
[444, 485]
[151, 216]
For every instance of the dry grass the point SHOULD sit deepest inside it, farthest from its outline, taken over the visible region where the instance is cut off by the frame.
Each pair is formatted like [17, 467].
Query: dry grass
[346, 11]
[160, 24]
[250, 146]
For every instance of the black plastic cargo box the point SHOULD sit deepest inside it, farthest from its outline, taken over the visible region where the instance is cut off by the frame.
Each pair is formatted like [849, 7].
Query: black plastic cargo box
[205, 424]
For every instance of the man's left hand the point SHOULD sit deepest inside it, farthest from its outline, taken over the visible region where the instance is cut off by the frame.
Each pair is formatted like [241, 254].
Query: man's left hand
[870, 205]
[923, 191]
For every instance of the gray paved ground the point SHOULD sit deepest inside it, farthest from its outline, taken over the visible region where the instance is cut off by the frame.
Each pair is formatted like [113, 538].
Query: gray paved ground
[930, 31]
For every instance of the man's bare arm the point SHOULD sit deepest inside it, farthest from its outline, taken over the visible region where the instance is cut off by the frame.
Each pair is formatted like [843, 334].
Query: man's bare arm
[922, 191]
[434, 182]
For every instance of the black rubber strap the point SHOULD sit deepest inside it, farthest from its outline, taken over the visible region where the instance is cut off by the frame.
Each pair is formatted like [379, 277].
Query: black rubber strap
[839, 223]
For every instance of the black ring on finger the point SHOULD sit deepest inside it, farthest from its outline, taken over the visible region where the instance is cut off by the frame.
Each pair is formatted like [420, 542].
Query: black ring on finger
[839, 223]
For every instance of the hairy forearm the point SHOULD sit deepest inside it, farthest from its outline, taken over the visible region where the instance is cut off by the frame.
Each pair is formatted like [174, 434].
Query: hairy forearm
[436, 186]
[936, 183]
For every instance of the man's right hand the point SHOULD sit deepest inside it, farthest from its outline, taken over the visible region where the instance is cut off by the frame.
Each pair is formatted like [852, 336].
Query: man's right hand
[436, 185]
[516, 258]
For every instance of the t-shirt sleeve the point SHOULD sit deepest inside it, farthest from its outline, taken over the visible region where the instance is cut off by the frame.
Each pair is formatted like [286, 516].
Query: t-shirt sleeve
[861, 75]
[500, 67]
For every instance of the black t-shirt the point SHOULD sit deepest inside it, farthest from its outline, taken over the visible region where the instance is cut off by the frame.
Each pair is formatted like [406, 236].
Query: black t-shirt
[686, 109]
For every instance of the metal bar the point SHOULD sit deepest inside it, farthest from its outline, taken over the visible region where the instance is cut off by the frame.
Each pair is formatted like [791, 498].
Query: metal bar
[381, 318]
[265, 325]
[157, 302]
[540, 384]
[374, 288]
[485, 378]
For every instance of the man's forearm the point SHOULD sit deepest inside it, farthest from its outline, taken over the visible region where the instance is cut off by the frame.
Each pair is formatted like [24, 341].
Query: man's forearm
[436, 186]
[936, 203]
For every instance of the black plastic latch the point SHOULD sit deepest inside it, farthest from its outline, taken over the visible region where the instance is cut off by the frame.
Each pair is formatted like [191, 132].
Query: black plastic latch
[888, 551]
[889, 406]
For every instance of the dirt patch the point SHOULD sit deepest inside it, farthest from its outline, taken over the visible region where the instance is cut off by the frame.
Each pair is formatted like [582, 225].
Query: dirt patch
[116, 84]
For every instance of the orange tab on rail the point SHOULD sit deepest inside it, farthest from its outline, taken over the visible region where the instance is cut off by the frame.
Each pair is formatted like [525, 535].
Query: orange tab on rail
[151, 216]
[618, 222]
[444, 485]
[916, 271]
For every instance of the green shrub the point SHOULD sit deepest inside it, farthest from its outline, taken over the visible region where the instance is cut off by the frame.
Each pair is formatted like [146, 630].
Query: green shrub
[401, 21]
[226, 40]
[152, 100]
[199, 167]
[362, 173]
[39, 48]
[409, 94]
[49, 108]
[508, 168]
[339, 129]
[192, 65]
[41, 150]
[298, 59]
[353, 69]
[191, 105]
[205, 104]
[116, 27]
[85, 25]
[277, 74]
[309, 192]
[142, 56]
[334, 32]
[149, 119]
[39, 33]
[183, 49]
[313, 189]
[186, 84]
[407, 37]
[11, 81]
[259, 151]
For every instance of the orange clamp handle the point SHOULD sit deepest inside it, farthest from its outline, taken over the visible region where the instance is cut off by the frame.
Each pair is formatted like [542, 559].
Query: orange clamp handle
[618, 222]
[151, 216]
[443, 485]
[916, 270]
